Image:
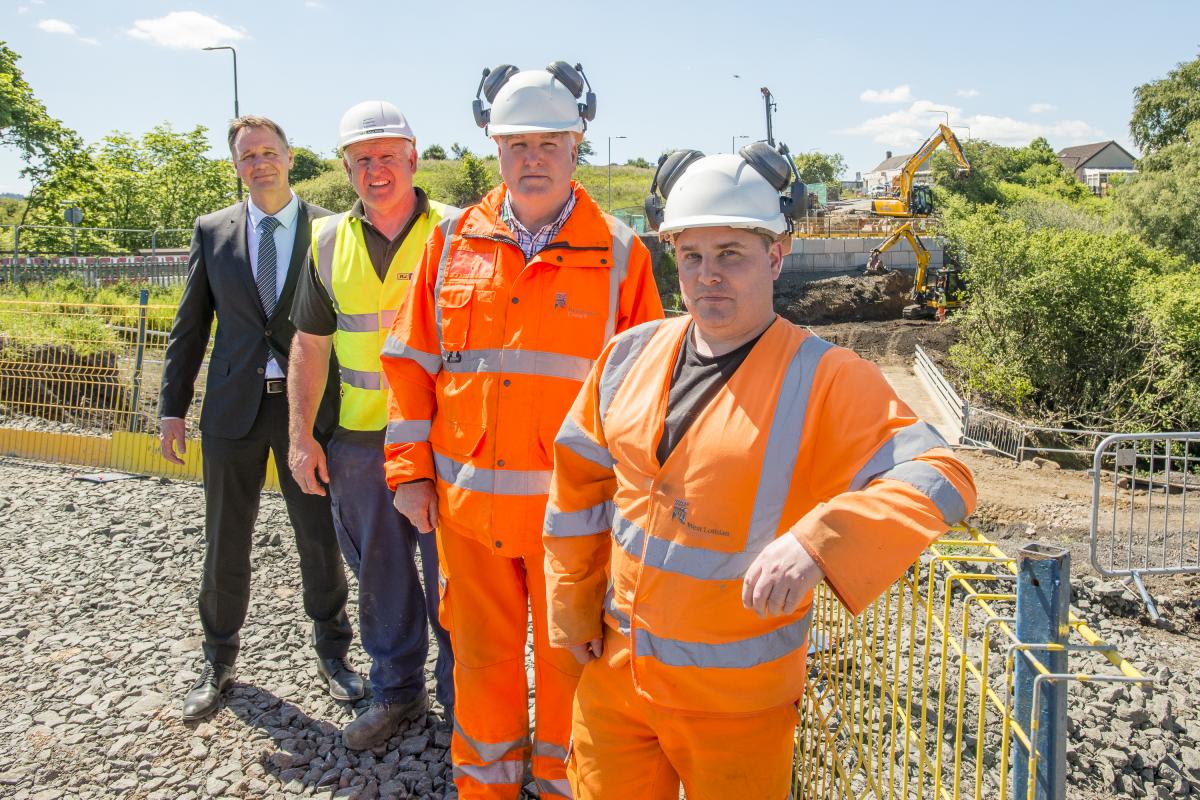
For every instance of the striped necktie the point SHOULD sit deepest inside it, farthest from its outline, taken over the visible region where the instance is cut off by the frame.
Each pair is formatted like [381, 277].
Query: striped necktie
[265, 279]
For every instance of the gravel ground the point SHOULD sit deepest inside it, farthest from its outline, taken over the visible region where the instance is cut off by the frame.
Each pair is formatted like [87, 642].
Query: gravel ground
[98, 622]
[97, 618]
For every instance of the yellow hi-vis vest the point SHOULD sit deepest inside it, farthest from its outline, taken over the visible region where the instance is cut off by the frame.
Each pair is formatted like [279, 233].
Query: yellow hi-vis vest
[365, 306]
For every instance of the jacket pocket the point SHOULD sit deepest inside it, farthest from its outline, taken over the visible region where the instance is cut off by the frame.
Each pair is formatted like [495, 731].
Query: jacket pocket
[454, 303]
[218, 367]
[456, 438]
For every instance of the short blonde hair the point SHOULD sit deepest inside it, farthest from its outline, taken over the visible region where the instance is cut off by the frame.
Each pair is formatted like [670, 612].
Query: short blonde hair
[240, 124]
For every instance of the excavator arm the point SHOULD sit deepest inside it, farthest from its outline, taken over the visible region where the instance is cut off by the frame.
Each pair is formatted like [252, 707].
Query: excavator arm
[903, 182]
[907, 233]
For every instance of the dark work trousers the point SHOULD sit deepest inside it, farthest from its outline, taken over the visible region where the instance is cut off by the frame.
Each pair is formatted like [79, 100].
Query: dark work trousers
[379, 544]
[234, 471]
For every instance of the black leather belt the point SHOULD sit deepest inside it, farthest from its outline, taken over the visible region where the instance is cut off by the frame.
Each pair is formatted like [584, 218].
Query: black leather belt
[276, 385]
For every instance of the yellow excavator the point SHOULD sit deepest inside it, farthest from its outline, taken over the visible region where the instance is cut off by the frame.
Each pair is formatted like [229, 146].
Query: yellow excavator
[929, 301]
[910, 200]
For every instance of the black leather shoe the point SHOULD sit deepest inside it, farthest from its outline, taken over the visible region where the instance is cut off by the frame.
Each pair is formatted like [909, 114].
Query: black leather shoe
[205, 695]
[342, 682]
[380, 721]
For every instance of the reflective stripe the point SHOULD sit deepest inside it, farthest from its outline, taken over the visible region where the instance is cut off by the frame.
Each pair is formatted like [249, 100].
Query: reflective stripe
[394, 348]
[587, 522]
[620, 360]
[492, 481]
[549, 750]
[358, 323]
[448, 225]
[522, 362]
[405, 431]
[360, 379]
[740, 654]
[905, 445]
[441, 582]
[490, 751]
[695, 562]
[572, 437]
[622, 244]
[783, 443]
[326, 240]
[934, 485]
[610, 606]
[501, 772]
[387, 316]
[554, 788]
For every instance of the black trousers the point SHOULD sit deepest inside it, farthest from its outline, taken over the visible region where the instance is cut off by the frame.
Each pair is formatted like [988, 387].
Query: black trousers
[234, 472]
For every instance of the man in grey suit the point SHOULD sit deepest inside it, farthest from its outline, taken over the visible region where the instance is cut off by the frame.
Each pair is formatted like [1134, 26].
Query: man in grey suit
[243, 267]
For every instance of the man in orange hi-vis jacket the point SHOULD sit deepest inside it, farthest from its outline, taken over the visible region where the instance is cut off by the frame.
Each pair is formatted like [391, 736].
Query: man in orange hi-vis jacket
[712, 471]
[512, 302]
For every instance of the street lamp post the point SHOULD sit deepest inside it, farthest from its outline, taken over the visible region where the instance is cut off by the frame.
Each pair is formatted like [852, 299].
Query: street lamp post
[968, 127]
[941, 111]
[610, 169]
[236, 112]
[733, 142]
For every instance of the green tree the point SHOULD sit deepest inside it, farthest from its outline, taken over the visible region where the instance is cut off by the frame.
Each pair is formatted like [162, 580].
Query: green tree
[459, 151]
[1159, 203]
[1164, 109]
[471, 183]
[435, 152]
[306, 164]
[51, 151]
[586, 151]
[638, 162]
[817, 167]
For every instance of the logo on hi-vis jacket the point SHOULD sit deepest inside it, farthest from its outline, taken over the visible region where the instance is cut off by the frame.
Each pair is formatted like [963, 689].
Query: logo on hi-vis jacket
[679, 513]
[560, 299]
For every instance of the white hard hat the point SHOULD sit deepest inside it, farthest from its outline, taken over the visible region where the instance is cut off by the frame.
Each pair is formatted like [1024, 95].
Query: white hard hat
[373, 119]
[534, 100]
[722, 191]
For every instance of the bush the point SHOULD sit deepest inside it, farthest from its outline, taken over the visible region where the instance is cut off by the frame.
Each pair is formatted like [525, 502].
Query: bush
[330, 190]
[1055, 326]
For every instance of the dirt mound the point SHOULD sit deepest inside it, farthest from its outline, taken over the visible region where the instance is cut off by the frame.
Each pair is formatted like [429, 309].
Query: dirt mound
[891, 340]
[846, 298]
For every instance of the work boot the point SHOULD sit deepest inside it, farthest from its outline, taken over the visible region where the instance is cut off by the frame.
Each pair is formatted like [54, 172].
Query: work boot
[380, 721]
[205, 695]
[340, 679]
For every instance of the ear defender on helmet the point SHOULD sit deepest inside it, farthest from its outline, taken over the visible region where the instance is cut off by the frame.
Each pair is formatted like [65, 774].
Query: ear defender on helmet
[573, 78]
[489, 85]
[777, 167]
[670, 167]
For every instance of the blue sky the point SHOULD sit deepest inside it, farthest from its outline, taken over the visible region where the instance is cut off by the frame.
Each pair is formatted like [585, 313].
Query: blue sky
[857, 78]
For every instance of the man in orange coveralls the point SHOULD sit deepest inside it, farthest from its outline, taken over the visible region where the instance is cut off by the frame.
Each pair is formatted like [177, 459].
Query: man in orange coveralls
[713, 470]
[513, 301]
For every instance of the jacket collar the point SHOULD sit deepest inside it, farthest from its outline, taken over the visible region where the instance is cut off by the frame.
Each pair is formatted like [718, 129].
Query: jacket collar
[586, 228]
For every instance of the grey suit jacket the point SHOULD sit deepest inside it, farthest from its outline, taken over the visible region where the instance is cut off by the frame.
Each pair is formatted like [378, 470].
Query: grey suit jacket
[220, 283]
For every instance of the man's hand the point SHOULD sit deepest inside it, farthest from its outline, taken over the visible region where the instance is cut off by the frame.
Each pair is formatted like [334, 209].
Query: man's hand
[418, 502]
[587, 652]
[171, 439]
[306, 460]
[779, 578]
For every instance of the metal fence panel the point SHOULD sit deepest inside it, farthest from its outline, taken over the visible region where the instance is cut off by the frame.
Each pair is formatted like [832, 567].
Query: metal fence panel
[1146, 506]
[96, 271]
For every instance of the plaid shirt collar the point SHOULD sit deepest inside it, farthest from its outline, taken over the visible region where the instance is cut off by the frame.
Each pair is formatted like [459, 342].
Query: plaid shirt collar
[533, 243]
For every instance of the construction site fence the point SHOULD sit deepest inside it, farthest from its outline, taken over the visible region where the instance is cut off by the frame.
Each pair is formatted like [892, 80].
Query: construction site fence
[949, 685]
[998, 433]
[831, 226]
[56, 240]
[1146, 507]
[96, 271]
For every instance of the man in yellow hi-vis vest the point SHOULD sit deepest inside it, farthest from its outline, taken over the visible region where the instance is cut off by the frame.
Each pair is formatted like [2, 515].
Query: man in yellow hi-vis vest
[360, 267]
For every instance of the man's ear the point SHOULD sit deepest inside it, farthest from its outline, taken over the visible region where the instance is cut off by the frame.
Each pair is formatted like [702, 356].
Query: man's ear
[776, 252]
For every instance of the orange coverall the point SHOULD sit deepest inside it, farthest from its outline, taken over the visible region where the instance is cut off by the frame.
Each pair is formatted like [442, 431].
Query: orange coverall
[484, 359]
[805, 440]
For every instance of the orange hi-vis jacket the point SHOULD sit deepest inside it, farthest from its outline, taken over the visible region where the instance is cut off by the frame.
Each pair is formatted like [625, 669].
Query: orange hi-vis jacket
[487, 355]
[805, 440]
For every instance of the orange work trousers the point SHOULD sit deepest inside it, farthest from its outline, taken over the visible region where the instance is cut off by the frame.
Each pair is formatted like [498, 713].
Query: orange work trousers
[626, 747]
[486, 604]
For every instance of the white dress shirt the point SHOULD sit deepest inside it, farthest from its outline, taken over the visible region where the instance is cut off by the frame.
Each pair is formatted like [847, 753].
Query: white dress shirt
[285, 239]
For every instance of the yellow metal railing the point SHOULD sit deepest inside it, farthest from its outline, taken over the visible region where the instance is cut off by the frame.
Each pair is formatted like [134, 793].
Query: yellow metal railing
[840, 226]
[79, 385]
[913, 697]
